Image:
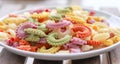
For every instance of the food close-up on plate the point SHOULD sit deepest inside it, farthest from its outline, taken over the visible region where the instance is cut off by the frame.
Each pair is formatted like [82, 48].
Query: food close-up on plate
[59, 33]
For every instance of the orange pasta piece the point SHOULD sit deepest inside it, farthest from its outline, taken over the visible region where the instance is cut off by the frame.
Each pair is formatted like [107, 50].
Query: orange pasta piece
[82, 31]
[23, 42]
[39, 45]
[93, 43]
[33, 48]
[24, 47]
[95, 27]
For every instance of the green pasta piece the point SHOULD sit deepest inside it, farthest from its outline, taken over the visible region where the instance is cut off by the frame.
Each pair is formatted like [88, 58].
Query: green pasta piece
[69, 8]
[32, 38]
[51, 39]
[31, 19]
[37, 32]
[43, 27]
[50, 50]
[63, 10]
[56, 17]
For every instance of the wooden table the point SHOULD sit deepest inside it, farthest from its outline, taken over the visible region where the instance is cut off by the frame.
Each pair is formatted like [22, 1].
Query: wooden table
[6, 57]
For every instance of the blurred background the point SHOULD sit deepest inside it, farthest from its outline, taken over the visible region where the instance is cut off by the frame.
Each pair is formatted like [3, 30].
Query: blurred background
[8, 6]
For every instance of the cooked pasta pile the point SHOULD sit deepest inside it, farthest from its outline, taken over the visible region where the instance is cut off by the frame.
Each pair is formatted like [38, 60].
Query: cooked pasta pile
[59, 30]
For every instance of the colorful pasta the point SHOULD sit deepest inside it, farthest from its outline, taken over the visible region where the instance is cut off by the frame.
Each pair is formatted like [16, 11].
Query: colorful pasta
[59, 30]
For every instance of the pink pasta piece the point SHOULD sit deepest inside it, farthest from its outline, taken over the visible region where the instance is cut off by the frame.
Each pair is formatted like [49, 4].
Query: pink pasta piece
[91, 21]
[105, 22]
[75, 50]
[78, 41]
[112, 35]
[59, 24]
[15, 44]
[36, 11]
[20, 30]
[70, 45]
[9, 42]
[42, 40]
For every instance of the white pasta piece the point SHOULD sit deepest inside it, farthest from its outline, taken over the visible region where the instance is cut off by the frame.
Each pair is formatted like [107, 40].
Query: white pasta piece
[86, 47]
[12, 26]
[100, 25]
[103, 30]
[83, 14]
[53, 12]
[3, 36]
[12, 32]
[77, 12]
[101, 36]
[67, 32]
[116, 31]
[94, 32]
[27, 14]
[63, 52]
[88, 38]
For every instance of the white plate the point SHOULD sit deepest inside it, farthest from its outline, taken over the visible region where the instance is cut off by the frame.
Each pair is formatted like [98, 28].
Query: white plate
[114, 22]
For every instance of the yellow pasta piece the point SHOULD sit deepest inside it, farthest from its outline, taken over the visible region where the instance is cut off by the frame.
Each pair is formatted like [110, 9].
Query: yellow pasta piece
[15, 20]
[4, 27]
[52, 50]
[115, 39]
[97, 18]
[2, 23]
[108, 42]
[76, 19]
[75, 7]
[101, 36]
[43, 15]
[69, 14]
